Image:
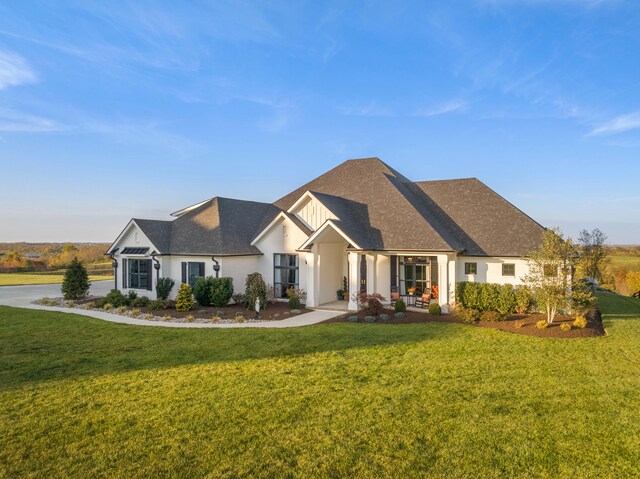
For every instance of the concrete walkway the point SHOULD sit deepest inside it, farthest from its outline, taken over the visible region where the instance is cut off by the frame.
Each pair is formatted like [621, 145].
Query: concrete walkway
[22, 297]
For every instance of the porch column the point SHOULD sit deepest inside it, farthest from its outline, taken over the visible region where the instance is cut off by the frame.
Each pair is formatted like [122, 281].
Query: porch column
[353, 259]
[371, 273]
[452, 280]
[311, 284]
[443, 281]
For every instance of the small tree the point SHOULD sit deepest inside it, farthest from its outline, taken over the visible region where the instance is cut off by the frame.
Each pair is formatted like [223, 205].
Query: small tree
[592, 253]
[550, 269]
[184, 300]
[255, 288]
[371, 303]
[164, 287]
[76, 281]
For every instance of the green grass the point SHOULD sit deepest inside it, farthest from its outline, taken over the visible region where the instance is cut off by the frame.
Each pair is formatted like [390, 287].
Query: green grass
[85, 398]
[632, 263]
[18, 279]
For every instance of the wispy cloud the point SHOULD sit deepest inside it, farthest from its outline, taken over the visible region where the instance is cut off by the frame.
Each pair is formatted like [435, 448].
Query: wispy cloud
[368, 110]
[449, 107]
[618, 125]
[14, 70]
[13, 121]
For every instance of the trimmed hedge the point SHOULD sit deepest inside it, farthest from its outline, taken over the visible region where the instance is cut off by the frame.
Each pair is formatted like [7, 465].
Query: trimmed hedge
[492, 297]
[212, 291]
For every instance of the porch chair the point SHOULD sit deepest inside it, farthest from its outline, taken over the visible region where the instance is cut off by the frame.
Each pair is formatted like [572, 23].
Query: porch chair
[423, 301]
[395, 296]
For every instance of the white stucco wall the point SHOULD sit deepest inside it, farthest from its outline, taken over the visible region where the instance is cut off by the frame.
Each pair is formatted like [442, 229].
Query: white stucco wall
[490, 270]
[331, 264]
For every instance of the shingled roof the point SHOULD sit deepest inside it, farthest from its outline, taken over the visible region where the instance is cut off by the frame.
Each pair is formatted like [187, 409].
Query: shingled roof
[387, 211]
[220, 226]
[377, 207]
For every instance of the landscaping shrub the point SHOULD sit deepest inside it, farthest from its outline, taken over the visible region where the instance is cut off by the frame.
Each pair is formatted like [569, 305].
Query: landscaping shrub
[220, 313]
[184, 300]
[215, 318]
[221, 290]
[435, 309]
[370, 319]
[135, 312]
[148, 316]
[518, 324]
[542, 324]
[507, 299]
[157, 304]
[468, 315]
[202, 291]
[400, 306]
[489, 296]
[353, 319]
[255, 288]
[385, 317]
[116, 298]
[140, 302]
[294, 298]
[107, 306]
[371, 303]
[400, 315]
[565, 327]
[189, 318]
[99, 303]
[121, 309]
[580, 322]
[523, 299]
[75, 284]
[239, 318]
[130, 297]
[493, 316]
[164, 287]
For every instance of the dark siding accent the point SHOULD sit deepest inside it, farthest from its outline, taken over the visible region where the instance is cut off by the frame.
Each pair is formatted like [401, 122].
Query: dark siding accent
[184, 272]
[150, 275]
[394, 270]
[434, 270]
[363, 273]
[124, 272]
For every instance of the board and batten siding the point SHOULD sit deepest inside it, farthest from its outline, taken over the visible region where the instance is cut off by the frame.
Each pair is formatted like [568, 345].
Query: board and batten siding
[314, 214]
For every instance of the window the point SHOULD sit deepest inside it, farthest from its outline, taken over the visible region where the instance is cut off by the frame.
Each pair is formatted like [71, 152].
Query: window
[508, 269]
[471, 268]
[415, 275]
[139, 273]
[285, 273]
[191, 271]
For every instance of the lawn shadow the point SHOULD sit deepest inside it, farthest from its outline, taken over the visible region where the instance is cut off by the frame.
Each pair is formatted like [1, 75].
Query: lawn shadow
[41, 346]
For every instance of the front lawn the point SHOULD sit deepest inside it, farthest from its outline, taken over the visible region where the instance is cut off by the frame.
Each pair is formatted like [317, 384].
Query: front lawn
[84, 398]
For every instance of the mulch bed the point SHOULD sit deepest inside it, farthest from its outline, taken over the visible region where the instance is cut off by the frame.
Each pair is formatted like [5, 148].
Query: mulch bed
[275, 311]
[411, 317]
[528, 322]
[517, 323]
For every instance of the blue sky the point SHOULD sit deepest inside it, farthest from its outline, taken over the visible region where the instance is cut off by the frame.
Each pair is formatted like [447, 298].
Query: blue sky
[112, 110]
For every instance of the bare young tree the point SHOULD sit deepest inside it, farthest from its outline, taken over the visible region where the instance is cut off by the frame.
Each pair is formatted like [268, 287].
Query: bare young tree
[550, 270]
[592, 252]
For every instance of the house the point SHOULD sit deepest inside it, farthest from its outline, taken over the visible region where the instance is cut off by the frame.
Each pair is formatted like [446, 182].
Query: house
[362, 220]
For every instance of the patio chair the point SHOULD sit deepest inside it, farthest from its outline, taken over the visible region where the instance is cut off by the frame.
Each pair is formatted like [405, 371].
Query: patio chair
[423, 301]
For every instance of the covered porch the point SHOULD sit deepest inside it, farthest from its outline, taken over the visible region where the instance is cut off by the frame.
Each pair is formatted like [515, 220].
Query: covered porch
[331, 257]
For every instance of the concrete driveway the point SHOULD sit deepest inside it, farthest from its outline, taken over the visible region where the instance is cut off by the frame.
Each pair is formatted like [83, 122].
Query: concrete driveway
[22, 297]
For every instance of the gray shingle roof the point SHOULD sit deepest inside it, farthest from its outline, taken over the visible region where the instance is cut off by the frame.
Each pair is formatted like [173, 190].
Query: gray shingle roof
[377, 207]
[220, 226]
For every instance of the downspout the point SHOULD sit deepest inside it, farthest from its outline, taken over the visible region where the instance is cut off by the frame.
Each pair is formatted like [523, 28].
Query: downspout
[156, 266]
[216, 266]
[114, 263]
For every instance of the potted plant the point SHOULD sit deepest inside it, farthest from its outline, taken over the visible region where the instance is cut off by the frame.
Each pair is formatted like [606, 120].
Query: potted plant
[340, 294]
[345, 288]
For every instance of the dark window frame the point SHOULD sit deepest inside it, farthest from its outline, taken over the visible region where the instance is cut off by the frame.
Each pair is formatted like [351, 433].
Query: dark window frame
[469, 266]
[291, 266]
[416, 266]
[136, 277]
[504, 268]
